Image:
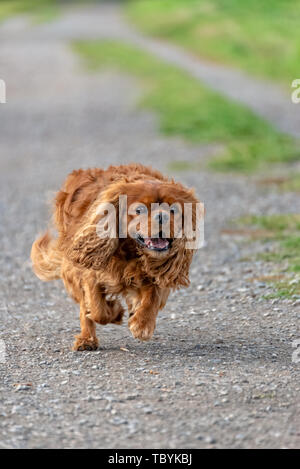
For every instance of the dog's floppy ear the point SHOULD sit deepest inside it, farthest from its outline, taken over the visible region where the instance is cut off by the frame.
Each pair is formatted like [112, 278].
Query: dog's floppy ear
[91, 251]
[92, 245]
[79, 192]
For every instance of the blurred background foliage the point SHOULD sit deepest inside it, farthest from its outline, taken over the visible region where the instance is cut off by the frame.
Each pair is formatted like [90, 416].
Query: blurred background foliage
[42, 10]
[259, 36]
[188, 108]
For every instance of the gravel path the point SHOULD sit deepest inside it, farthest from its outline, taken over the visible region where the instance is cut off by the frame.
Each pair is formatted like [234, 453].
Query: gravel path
[219, 370]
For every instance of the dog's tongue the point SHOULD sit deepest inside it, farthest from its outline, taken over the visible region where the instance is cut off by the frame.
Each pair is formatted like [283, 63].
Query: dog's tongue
[158, 243]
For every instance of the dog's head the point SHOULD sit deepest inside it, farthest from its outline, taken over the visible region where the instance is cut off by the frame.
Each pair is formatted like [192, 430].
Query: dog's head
[154, 215]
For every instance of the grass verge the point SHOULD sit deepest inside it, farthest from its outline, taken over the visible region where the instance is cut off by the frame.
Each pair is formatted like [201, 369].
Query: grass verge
[187, 108]
[283, 231]
[41, 10]
[284, 183]
[261, 37]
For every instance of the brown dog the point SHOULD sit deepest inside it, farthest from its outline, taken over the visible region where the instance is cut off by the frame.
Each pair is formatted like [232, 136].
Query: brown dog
[95, 268]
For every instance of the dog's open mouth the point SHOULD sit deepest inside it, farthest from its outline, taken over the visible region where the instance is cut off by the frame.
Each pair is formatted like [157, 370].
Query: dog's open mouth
[155, 244]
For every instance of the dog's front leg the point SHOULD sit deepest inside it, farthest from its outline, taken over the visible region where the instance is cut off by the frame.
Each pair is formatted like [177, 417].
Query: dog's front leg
[87, 339]
[144, 305]
[102, 309]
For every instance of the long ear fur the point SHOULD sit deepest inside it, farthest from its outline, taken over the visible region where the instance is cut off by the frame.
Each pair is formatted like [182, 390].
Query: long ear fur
[76, 219]
[87, 248]
[79, 192]
[91, 251]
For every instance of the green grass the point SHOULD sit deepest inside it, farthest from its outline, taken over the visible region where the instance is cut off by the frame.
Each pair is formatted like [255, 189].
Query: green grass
[292, 183]
[261, 37]
[285, 183]
[284, 230]
[41, 10]
[187, 108]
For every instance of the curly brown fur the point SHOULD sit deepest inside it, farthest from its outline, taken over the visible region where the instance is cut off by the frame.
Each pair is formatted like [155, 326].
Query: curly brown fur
[98, 271]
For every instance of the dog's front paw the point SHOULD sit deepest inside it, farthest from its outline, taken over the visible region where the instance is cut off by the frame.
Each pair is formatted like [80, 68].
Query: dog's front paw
[83, 343]
[140, 328]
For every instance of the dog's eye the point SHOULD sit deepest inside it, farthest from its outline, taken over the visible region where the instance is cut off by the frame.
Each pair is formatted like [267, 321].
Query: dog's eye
[141, 209]
[174, 209]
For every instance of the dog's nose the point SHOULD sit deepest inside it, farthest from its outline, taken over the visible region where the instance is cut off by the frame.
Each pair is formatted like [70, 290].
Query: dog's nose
[161, 218]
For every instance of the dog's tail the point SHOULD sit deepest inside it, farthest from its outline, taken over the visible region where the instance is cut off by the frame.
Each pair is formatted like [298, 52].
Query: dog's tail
[46, 258]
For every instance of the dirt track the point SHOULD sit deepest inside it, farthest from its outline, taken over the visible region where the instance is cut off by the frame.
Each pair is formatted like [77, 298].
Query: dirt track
[219, 370]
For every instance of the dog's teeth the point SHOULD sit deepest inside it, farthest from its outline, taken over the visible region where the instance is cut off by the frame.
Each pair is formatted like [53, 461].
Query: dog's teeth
[160, 243]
